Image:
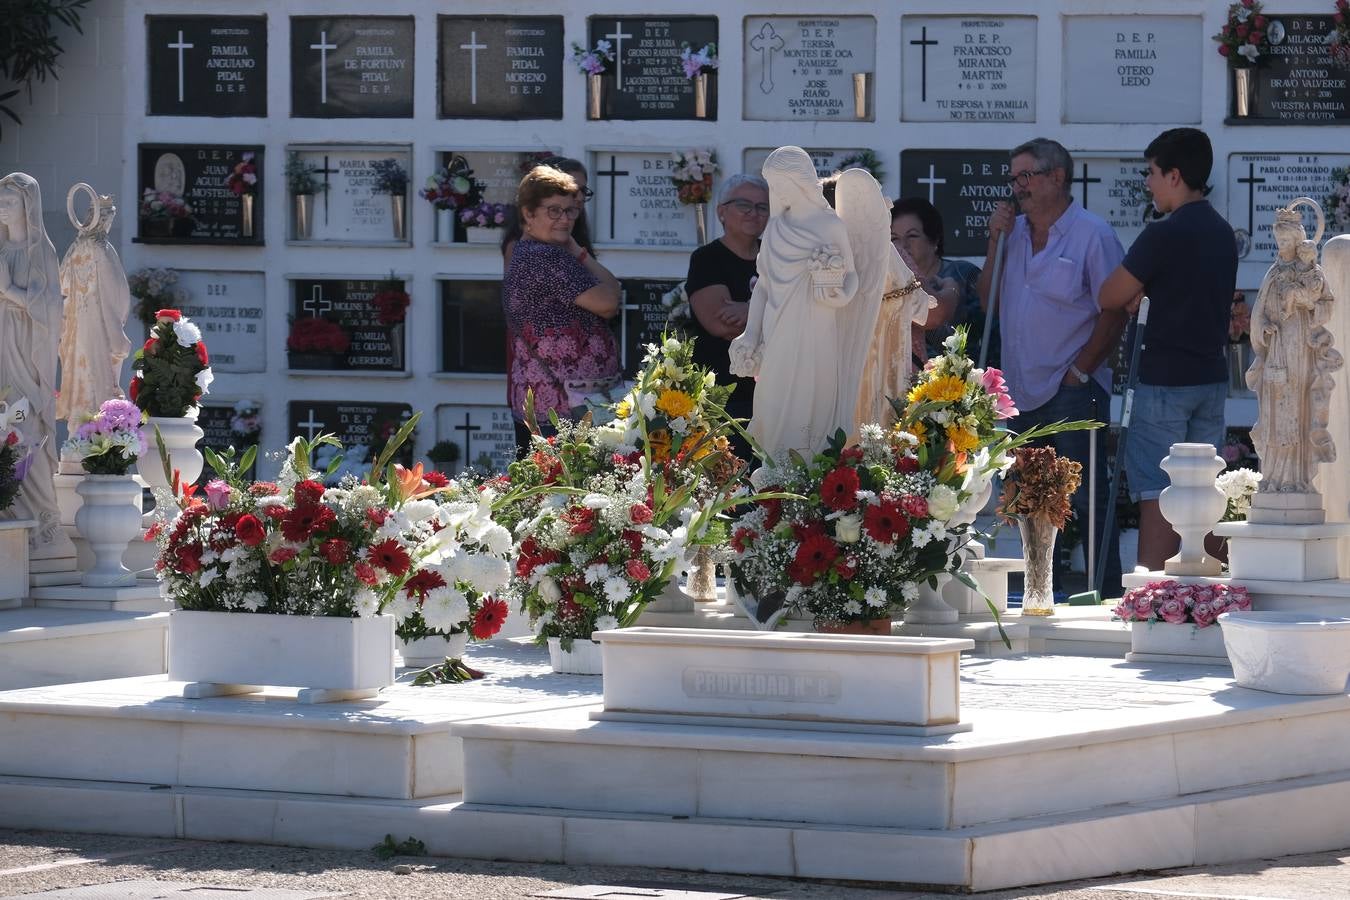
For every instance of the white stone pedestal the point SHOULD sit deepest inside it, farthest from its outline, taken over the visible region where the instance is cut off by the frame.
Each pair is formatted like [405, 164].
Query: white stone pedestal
[14, 561]
[1292, 553]
[974, 621]
[1287, 509]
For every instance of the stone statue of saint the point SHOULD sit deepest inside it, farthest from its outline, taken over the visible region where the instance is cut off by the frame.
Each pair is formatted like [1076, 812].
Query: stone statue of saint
[792, 337]
[1292, 374]
[888, 301]
[93, 344]
[1334, 481]
[30, 323]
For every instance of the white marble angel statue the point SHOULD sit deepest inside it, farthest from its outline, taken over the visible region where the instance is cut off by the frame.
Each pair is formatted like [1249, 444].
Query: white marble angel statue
[1334, 481]
[93, 343]
[889, 300]
[1292, 374]
[792, 337]
[30, 322]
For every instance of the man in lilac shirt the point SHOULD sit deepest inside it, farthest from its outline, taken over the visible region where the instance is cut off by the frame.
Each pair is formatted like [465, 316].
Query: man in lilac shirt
[1055, 337]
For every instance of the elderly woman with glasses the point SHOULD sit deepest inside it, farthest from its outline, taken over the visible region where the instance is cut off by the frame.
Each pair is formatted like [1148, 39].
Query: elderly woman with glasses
[581, 229]
[721, 276]
[556, 298]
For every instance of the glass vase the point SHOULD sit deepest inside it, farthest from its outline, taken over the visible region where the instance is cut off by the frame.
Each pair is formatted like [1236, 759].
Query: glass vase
[1038, 548]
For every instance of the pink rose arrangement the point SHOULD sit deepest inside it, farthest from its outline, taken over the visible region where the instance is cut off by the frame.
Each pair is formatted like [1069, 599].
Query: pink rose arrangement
[1178, 604]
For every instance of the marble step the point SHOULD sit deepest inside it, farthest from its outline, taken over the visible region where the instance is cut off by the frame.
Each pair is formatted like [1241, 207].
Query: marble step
[41, 646]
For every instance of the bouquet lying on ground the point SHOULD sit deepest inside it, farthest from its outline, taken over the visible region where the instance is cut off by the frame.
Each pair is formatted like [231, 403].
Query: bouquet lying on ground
[603, 514]
[418, 547]
[1178, 604]
[108, 442]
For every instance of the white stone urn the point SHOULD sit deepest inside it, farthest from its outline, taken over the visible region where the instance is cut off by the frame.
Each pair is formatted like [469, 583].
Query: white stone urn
[433, 650]
[108, 518]
[1288, 652]
[1193, 505]
[583, 659]
[181, 435]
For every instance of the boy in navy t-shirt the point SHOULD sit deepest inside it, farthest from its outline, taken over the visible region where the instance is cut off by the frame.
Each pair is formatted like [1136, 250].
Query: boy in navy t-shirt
[1187, 266]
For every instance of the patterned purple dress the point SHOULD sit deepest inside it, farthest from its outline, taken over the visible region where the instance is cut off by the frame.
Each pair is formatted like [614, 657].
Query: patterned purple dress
[549, 338]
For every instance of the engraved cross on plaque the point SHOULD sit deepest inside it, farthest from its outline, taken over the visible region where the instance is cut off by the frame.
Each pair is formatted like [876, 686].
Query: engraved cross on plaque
[468, 428]
[932, 181]
[624, 309]
[766, 42]
[310, 425]
[1084, 180]
[323, 47]
[325, 172]
[180, 47]
[613, 175]
[317, 304]
[473, 47]
[618, 37]
[1251, 181]
[923, 43]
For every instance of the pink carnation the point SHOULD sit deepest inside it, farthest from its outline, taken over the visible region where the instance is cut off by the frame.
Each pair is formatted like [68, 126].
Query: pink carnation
[993, 383]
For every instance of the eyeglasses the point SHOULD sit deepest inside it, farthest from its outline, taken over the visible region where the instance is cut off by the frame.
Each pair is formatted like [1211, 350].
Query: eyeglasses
[1022, 179]
[745, 207]
[557, 212]
[587, 193]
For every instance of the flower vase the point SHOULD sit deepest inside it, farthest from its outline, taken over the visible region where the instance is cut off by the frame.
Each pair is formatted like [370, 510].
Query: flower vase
[701, 222]
[1038, 549]
[583, 659]
[445, 225]
[701, 95]
[246, 209]
[474, 234]
[181, 435]
[860, 80]
[108, 518]
[862, 626]
[433, 650]
[702, 581]
[1193, 504]
[595, 96]
[304, 216]
[1244, 92]
[398, 215]
[1240, 359]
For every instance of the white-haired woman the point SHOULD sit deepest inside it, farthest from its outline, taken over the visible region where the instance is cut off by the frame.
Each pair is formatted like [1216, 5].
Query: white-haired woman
[721, 276]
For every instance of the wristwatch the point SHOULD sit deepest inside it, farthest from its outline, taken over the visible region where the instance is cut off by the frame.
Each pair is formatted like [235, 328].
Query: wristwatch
[1082, 377]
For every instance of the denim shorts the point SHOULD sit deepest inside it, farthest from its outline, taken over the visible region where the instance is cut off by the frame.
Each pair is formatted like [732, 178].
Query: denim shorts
[1164, 416]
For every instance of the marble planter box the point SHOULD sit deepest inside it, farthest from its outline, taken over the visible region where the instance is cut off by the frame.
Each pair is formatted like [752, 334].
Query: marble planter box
[14, 560]
[1288, 653]
[236, 653]
[432, 651]
[772, 679]
[1281, 552]
[1181, 643]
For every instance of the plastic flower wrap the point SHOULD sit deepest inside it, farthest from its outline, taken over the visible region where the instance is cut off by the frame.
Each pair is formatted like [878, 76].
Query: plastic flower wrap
[108, 442]
[1179, 604]
[594, 61]
[695, 62]
[1238, 486]
[172, 371]
[692, 173]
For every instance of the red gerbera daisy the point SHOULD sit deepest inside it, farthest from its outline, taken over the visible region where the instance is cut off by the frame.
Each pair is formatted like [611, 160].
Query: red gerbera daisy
[390, 556]
[816, 554]
[421, 582]
[435, 479]
[885, 522]
[489, 618]
[308, 492]
[839, 488]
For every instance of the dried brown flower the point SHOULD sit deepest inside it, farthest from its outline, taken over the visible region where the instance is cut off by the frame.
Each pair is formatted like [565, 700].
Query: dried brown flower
[1039, 485]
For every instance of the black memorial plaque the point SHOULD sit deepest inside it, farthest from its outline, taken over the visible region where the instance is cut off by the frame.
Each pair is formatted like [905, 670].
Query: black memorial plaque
[473, 328]
[363, 428]
[217, 435]
[646, 80]
[1300, 84]
[500, 67]
[200, 175]
[350, 305]
[207, 65]
[351, 67]
[965, 186]
[641, 320]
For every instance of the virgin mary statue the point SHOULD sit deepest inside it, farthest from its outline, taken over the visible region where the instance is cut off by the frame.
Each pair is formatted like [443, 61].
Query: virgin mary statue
[792, 337]
[30, 326]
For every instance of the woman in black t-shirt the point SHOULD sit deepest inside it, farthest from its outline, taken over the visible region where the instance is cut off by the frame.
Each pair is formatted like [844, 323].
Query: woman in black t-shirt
[721, 275]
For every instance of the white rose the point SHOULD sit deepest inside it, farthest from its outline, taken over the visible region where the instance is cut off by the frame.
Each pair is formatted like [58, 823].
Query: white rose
[942, 502]
[848, 528]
